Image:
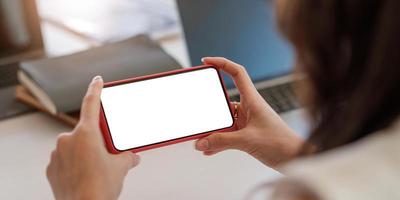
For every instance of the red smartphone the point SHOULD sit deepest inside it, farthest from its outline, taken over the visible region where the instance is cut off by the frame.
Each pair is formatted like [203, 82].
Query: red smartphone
[147, 112]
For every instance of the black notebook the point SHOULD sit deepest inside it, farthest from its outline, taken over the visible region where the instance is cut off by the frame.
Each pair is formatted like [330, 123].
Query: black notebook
[60, 83]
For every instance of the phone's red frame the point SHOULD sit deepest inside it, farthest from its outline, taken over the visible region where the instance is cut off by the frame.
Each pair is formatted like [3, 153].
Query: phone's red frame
[106, 131]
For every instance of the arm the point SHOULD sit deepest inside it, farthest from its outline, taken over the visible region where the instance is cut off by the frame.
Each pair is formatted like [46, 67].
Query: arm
[260, 131]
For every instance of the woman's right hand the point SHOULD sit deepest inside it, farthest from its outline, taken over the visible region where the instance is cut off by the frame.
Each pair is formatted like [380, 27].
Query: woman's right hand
[259, 130]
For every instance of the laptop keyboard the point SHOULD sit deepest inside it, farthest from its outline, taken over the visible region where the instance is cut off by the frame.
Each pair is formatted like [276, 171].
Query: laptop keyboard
[280, 97]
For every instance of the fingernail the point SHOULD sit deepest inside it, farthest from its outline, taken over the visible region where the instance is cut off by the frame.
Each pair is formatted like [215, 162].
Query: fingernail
[97, 79]
[202, 144]
[203, 60]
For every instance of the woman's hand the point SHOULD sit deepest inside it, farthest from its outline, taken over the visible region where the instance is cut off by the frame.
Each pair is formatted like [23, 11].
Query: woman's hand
[80, 166]
[260, 131]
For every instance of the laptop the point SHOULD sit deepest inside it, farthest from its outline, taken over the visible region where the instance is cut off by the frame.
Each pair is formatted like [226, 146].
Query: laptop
[20, 39]
[245, 32]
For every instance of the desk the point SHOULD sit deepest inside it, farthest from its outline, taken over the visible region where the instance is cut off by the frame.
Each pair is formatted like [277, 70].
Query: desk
[172, 172]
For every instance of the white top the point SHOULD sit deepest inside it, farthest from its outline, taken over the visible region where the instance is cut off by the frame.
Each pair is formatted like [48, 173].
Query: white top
[368, 169]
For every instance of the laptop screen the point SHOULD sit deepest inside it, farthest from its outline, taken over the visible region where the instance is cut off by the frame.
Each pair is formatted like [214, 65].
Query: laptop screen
[241, 30]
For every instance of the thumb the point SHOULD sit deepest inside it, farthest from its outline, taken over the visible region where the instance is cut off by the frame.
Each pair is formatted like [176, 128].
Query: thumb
[130, 159]
[220, 141]
[91, 102]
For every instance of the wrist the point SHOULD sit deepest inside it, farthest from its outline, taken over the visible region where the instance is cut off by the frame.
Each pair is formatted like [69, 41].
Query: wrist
[94, 191]
[278, 151]
[291, 147]
[91, 195]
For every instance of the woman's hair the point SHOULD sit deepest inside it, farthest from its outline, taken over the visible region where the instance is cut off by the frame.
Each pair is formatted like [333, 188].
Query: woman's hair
[350, 52]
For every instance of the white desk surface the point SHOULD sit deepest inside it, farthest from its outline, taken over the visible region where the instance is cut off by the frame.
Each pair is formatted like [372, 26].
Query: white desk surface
[172, 172]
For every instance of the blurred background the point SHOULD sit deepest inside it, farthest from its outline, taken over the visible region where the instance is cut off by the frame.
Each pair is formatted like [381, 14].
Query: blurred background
[38, 34]
[34, 29]
[97, 21]
[243, 31]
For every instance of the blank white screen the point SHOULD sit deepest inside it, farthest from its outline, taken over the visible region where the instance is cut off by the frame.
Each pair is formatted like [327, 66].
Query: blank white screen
[161, 109]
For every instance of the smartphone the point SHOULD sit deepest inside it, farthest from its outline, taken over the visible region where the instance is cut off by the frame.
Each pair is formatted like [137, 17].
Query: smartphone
[152, 111]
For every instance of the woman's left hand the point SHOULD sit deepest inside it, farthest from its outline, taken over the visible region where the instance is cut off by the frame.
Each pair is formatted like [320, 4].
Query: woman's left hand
[80, 166]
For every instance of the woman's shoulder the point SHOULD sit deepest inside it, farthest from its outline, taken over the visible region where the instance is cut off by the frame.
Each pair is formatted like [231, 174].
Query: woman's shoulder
[367, 169]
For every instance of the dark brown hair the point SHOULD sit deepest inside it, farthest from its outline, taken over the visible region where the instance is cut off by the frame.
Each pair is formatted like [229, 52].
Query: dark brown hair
[350, 52]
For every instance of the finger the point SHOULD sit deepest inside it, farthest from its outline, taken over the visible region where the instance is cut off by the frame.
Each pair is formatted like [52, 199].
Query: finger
[237, 72]
[51, 166]
[130, 159]
[91, 102]
[211, 153]
[220, 141]
[62, 141]
[53, 155]
[62, 135]
[49, 172]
